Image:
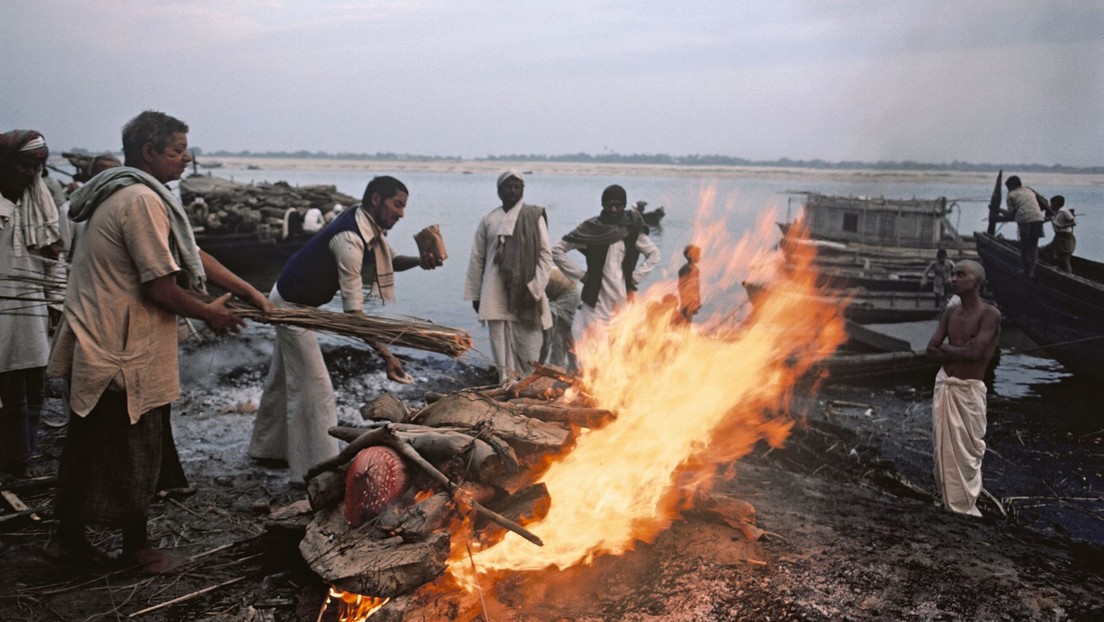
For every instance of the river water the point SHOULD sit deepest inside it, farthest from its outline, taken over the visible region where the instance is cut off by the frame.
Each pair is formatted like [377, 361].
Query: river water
[455, 199]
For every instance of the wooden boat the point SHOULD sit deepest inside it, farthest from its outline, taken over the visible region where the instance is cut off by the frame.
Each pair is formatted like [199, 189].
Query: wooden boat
[880, 222]
[867, 307]
[1063, 313]
[250, 253]
[651, 218]
[877, 367]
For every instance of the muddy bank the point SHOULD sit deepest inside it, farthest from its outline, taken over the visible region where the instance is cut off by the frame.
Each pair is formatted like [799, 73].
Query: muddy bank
[852, 534]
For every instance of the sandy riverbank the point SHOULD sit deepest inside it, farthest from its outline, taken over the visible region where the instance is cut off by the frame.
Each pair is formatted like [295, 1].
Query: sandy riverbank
[847, 539]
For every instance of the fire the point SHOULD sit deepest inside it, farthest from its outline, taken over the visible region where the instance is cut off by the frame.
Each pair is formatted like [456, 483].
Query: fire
[689, 399]
[354, 607]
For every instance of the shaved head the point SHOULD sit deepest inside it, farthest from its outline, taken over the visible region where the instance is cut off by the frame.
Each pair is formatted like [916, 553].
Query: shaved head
[973, 267]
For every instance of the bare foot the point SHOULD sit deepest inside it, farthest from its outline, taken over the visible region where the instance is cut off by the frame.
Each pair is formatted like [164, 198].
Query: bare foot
[77, 552]
[151, 561]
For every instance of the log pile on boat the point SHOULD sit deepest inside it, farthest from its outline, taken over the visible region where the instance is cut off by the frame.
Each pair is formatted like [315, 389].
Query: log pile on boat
[248, 227]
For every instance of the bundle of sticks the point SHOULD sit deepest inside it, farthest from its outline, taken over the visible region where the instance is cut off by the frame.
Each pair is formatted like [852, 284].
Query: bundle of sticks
[36, 289]
[417, 334]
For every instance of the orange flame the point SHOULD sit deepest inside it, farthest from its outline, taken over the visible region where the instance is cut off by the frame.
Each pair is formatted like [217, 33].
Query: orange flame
[688, 400]
[354, 607]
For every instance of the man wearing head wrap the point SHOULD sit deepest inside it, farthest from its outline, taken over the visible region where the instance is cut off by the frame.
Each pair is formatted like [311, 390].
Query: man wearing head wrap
[130, 278]
[964, 343]
[612, 243]
[507, 274]
[28, 238]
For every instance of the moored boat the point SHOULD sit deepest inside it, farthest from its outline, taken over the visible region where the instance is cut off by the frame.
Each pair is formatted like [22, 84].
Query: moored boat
[864, 306]
[1062, 312]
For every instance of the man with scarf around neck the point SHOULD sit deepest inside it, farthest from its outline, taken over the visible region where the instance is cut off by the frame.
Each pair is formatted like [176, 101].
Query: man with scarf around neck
[511, 258]
[612, 243]
[298, 406]
[132, 275]
[29, 233]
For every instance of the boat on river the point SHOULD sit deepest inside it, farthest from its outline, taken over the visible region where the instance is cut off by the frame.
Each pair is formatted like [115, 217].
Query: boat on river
[861, 305]
[1062, 312]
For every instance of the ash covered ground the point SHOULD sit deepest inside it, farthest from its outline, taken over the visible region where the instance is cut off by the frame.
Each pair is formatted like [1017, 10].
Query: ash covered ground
[853, 533]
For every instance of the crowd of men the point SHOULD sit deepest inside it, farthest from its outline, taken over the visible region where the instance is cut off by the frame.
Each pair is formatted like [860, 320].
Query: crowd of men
[112, 335]
[137, 269]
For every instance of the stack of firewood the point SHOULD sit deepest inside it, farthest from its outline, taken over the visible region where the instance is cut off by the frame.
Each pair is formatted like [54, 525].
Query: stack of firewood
[474, 454]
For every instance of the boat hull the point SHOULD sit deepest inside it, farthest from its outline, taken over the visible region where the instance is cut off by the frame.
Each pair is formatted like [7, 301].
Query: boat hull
[1062, 313]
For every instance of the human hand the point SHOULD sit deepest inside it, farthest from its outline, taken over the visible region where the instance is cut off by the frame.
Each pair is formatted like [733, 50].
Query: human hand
[220, 318]
[430, 260]
[395, 371]
[475, 305]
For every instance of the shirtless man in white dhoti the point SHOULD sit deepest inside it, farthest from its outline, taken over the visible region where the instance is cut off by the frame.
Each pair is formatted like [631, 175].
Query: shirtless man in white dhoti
[964, 342]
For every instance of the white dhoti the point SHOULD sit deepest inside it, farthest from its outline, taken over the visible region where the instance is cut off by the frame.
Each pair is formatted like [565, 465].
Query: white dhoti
[958, 428]
[297, 407]
[515, 345]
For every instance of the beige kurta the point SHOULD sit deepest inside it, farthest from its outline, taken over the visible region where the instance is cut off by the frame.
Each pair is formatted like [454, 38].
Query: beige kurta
[958, 428]
[110, 334]
[513, 344]
[23, 325]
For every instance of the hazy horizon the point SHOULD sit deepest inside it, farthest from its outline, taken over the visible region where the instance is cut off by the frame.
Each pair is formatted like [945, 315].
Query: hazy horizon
[864, 81]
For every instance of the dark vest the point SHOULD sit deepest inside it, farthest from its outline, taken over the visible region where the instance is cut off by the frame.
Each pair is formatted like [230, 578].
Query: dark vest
[310, 276]
[596, 263]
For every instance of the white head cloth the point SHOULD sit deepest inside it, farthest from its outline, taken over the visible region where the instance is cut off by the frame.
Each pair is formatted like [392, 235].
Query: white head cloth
[508, 174]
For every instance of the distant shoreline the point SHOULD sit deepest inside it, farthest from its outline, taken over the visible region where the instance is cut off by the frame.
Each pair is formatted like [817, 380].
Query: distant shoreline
[806, 175]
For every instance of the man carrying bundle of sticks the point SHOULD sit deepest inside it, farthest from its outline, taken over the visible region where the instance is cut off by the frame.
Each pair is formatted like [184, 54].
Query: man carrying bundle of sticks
[298, 405]
[132, 274]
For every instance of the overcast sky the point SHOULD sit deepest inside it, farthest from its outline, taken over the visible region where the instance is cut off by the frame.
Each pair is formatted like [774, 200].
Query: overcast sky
[980, 81]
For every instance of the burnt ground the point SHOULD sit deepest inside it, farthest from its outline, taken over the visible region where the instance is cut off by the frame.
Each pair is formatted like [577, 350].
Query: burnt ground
[852, 530]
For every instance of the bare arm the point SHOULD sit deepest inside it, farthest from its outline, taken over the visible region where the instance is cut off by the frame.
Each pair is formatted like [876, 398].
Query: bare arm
[221, 276]
[934, 351]
[401, 263]
[976, 348]
[166, 294]
[392, 364]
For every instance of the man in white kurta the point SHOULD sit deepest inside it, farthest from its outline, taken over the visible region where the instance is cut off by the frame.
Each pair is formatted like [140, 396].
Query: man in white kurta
[964, 342]
[612, 243]
[28, 231]
[510, 262]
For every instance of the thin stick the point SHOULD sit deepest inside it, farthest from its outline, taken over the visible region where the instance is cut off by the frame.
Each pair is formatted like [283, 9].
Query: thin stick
[482, 603]
[185, 597]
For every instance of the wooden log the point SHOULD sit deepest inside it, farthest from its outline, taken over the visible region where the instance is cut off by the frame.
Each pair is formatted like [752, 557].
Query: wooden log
[326, 489]
[418, 521]
[17, 504]
[386, 436]
[386, 407]
[366, 560]
[571, 415]
[524, 433]
[481, 459]
[31, 485]
[528, 505]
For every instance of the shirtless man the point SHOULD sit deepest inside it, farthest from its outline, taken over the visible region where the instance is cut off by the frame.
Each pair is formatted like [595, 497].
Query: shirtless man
[964, 342]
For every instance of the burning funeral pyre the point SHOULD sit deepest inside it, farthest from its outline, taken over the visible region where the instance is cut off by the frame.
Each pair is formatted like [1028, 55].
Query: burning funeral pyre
[431, 508]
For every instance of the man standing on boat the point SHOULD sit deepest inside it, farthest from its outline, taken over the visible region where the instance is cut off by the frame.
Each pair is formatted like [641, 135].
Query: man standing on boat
[612, 243]
[298, 406]
[1029, 210]
[508, 271]
[1065, 243]
[132, 275]
[964, 343]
